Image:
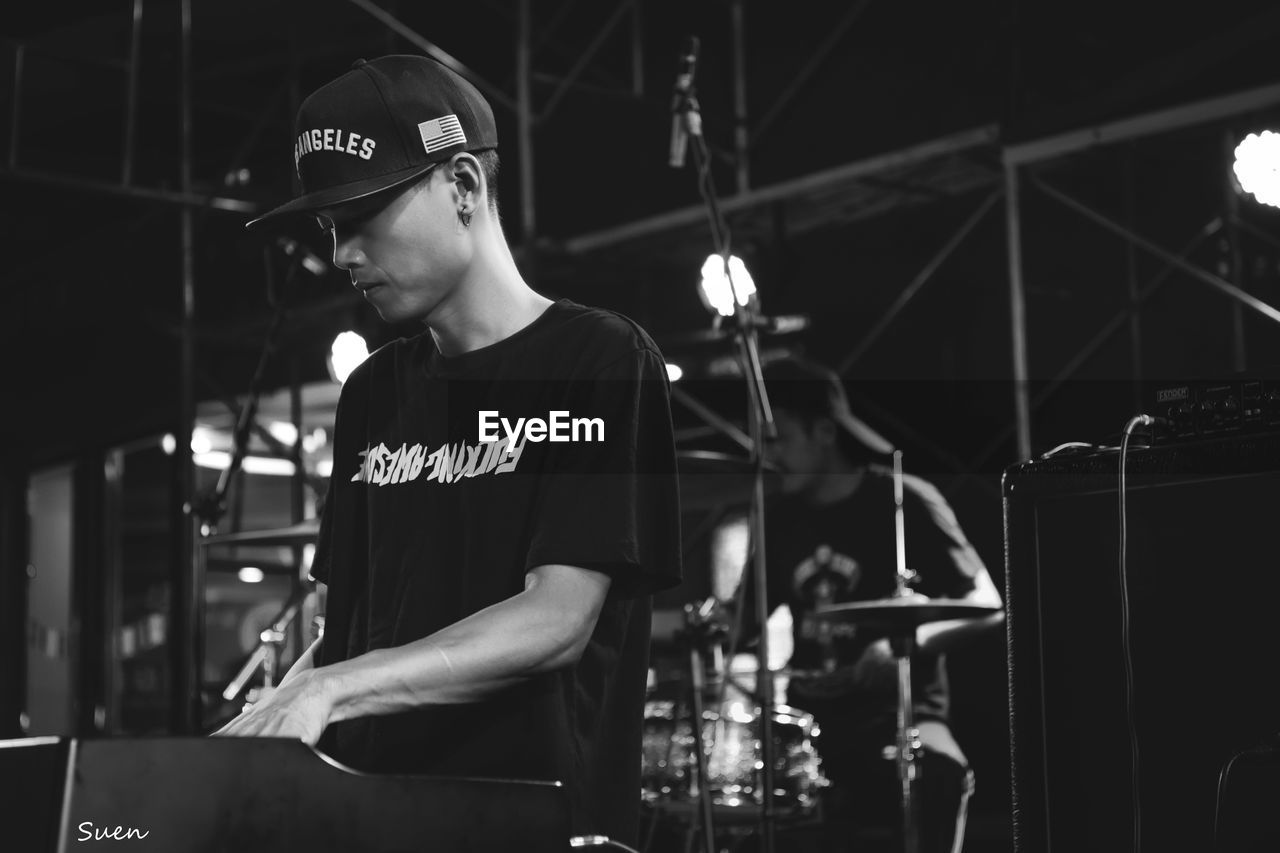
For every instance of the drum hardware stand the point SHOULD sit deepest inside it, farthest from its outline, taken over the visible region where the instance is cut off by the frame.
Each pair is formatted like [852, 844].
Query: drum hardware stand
[701, 629]
[903, 644]
[687, 128]
[270, 646]
[900, 614]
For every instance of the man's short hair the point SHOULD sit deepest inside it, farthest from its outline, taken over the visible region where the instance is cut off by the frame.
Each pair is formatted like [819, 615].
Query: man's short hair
[489, 165]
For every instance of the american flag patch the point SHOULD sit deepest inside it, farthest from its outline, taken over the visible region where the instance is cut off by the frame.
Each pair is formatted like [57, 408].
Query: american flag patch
[441, 133]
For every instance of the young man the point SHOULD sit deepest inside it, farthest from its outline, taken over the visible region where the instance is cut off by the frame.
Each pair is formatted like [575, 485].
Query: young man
[831, 538]
[503, 497]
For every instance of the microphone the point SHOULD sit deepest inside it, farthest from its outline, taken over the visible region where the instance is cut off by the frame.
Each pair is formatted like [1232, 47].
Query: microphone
[683, 104]
[310, 261]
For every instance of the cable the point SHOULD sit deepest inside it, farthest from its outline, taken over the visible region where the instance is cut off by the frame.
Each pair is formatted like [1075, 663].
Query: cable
[1221, 799]
[1126, 648]
[1069, 446]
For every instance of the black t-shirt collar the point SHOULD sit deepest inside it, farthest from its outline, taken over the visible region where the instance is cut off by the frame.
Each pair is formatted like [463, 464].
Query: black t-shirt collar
[443, 366]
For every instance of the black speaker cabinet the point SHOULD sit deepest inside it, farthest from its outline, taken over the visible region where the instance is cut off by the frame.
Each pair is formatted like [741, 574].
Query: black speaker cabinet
[1204, 594]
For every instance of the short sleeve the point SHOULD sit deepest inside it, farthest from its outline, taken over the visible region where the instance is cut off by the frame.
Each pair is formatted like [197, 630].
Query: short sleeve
[340, 559]
[613, 505]
[937, 549]
[338, 507]
[323, 560]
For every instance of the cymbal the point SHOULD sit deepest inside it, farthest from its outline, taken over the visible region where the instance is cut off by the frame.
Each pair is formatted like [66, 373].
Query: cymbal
[713, 462]
[903, 613]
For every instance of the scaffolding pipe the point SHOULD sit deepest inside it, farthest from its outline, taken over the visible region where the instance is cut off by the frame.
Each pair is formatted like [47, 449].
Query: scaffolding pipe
[921, 278]
[270, 110]
[492, 92]
[1017, 311]
[637, 49]
[71, 182]
[557, 18]
[1147, 124]
[1117, 320]
[1235, 265]
[815, 60]
[189, 586]
[1094, 344]
[1216, 282]
[722, 425]
[15, 115]
[822, 181]
[1131, 281]
[297, 495]
[524, 129]
[131, 96]
[741, 133]
[583, 59]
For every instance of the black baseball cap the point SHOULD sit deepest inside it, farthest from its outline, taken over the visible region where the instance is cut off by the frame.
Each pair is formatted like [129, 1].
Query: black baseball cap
[381, 124]
[804, 386]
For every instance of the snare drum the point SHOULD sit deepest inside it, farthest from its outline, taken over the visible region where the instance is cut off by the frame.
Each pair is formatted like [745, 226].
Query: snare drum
[669, 771]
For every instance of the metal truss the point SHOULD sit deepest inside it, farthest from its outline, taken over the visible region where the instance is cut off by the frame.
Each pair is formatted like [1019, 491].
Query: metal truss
[1016, 158]
[1020, 156]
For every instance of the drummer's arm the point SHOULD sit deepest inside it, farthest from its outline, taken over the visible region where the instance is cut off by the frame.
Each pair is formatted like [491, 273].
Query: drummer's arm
[937, 637]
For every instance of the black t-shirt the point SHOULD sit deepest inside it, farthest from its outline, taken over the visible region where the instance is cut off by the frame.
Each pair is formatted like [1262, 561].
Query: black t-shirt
[847, 551]
[426, 522]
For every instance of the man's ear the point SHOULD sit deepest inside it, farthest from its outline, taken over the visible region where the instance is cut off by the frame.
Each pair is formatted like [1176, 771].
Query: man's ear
[468, 181]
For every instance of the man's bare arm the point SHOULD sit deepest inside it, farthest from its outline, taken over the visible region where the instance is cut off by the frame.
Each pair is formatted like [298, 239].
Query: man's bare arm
[545, 627]
[936, 637]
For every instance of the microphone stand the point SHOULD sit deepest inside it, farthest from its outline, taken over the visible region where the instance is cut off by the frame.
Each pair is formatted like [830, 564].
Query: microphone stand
[209, 508]
[760, 420]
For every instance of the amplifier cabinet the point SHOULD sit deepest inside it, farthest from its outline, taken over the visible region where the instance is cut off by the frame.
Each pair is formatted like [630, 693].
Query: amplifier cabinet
[1204, 594]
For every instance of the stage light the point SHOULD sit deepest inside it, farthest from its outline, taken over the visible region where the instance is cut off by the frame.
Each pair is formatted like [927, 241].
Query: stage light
[169, 444]
[201, 441]
[314, 440]
[715, 291]
[1257, 166]
[324, 468]
[268, 465]
[674, 372]
[283, 432]
[251, 574]
[220, 459]
[348, 350]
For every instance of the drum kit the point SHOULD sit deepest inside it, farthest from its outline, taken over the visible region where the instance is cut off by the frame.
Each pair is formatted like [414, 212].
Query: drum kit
[724, 773]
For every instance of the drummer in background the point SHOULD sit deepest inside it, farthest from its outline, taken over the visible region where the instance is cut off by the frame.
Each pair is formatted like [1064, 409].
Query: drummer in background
[830, 537]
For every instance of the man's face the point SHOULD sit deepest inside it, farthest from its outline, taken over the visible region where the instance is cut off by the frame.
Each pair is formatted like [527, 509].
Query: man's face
[405, 253]
[801, 452]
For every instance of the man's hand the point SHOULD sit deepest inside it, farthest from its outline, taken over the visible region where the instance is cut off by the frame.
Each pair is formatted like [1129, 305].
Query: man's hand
[299, 708]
